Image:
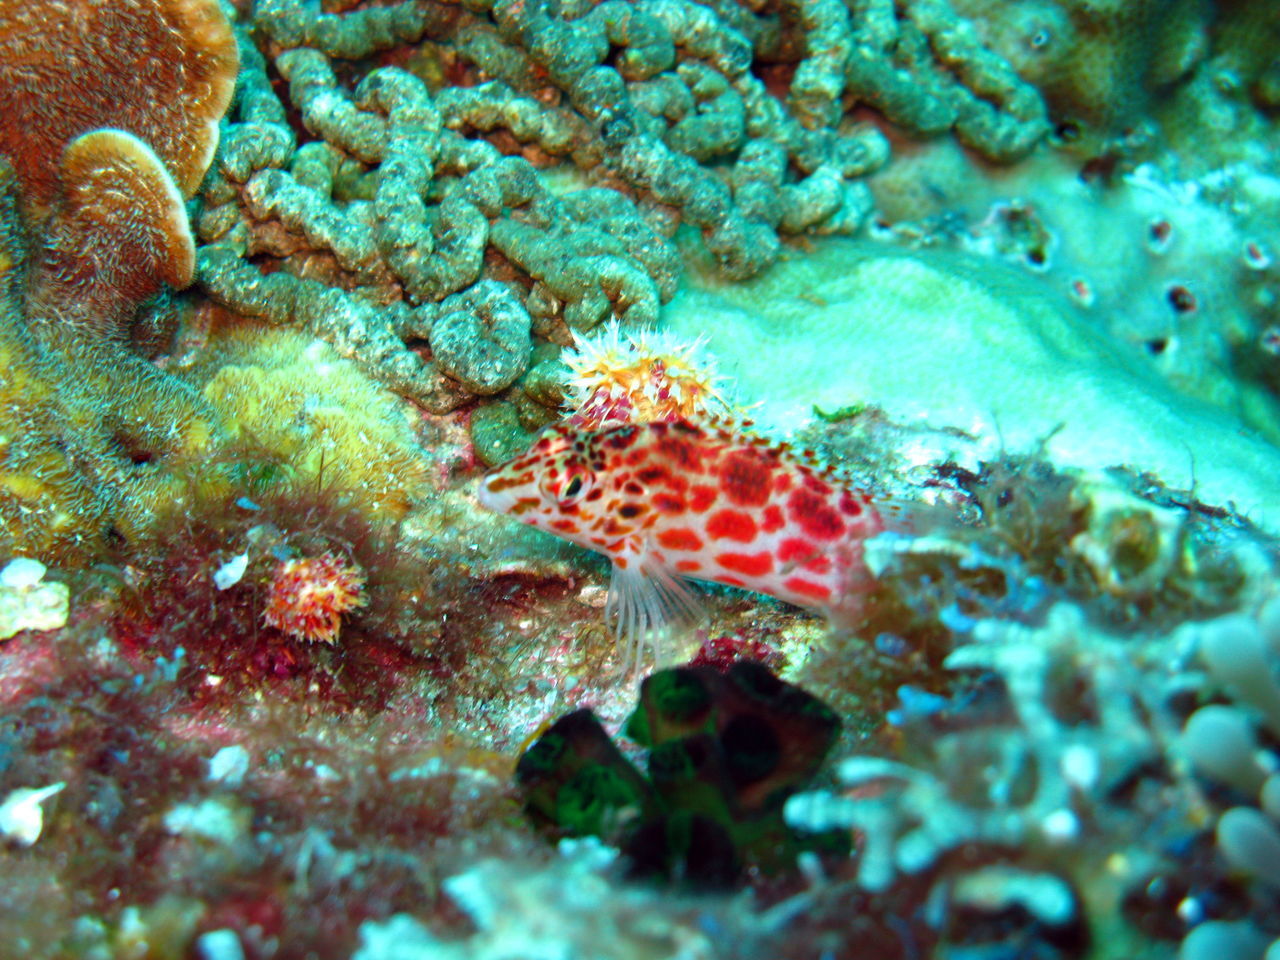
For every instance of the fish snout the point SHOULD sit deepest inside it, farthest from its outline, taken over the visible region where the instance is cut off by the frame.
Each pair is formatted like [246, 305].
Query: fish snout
[493, 494]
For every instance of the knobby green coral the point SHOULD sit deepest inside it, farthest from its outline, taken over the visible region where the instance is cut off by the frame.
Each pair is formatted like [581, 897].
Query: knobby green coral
[536, 160]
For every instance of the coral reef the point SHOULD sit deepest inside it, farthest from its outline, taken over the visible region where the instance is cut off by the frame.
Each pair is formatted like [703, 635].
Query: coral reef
[88, 425]
[239, 580]
[279, 277]
[1098, 65]
[501, 150]
[955, 340]
[298, 405]
[162, 70]
[926, 68]
[1174, 268]
[1075, 786]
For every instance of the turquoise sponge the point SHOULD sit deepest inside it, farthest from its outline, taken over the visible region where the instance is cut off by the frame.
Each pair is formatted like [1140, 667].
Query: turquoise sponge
[952, 340]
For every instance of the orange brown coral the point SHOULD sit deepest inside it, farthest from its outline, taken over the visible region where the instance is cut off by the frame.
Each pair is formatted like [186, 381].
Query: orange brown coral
[163, 70]
[118, 234]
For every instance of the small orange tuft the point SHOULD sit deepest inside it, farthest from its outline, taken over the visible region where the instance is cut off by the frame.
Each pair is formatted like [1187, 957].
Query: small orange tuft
[645, 377]
[308, 596]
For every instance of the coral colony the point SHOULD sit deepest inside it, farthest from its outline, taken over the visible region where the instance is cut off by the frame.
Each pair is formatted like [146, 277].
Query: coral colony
[640, 478]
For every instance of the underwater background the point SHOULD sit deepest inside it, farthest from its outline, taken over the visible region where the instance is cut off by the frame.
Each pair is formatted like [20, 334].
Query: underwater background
[952, 327]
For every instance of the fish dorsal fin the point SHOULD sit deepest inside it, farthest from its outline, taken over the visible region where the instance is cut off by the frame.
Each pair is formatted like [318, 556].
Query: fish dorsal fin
[649, 606]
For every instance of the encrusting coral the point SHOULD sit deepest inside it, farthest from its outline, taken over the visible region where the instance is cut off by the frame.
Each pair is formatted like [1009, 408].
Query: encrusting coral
[99, 159]
[294, 407]
[1098, 64]
[425, 170]
[928, 70]
[80, 420]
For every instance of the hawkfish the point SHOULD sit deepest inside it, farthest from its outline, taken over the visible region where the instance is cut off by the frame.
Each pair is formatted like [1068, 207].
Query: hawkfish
[669, 502]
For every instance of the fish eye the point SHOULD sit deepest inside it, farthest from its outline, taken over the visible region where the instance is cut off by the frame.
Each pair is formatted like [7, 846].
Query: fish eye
[579, 486]
[575, 485]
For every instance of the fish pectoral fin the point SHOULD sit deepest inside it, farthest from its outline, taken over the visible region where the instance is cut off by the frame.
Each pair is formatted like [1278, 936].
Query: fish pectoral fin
[649, 602]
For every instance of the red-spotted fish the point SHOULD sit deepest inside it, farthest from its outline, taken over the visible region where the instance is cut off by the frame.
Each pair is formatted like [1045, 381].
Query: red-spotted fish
[669, 501]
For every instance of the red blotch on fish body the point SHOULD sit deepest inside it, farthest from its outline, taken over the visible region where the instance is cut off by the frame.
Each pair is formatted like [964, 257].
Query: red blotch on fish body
[795, 550]
[849, 504]
[745, 477]
[688, 566]
[773, 519]
[680, 538]
[662, 477]
[803, 553]
[682, 452]
[702, 497]
[622, 438]
[814, 515]
[751, 564]
[807, 588]
[819, 487]
[665, 503]
[732, 525]
[820, 564]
